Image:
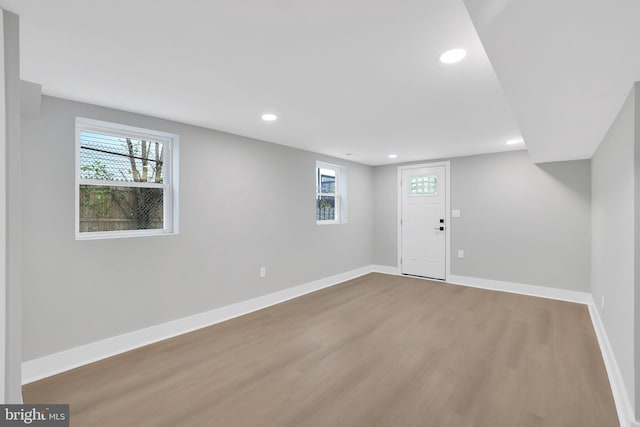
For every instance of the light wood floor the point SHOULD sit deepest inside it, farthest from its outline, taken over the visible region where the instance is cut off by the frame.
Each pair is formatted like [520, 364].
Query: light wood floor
[375, 351]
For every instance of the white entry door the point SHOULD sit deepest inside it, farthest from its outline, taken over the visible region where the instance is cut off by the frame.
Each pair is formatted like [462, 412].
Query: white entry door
[423, 250]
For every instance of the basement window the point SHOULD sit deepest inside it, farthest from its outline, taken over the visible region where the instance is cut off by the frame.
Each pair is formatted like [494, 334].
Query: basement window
[330, 194]
[125, 181]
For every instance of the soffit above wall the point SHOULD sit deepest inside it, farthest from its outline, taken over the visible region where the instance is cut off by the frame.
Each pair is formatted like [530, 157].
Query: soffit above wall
[565, 67]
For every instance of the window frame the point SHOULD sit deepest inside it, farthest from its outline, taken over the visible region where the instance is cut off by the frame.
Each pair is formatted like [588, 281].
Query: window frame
[169, 185]
[337, 194]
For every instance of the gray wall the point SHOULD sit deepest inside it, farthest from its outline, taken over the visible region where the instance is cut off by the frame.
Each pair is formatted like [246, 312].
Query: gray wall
[520, 222]
[243, 203]
[13, 376]
[385, 215]
[613, 210]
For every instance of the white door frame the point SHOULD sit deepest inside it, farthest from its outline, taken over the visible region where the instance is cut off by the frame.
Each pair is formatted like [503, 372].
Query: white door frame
[447, 172]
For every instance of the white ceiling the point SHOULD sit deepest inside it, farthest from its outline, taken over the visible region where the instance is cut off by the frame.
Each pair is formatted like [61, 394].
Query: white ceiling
[344, 76]
[348, 76]
[566, 67]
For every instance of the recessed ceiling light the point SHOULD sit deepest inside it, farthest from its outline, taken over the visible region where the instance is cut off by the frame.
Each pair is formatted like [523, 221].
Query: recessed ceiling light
[392, 156]
[514, 141]
[452, 56]
[268, 117]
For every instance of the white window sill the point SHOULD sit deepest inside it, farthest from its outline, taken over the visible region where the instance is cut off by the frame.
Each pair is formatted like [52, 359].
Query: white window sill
[99, 235]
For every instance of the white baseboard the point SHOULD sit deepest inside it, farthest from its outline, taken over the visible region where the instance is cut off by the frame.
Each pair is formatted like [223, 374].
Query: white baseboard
[386, 269]
[520, 288]
[56, 363]
[43, 367]
[496, 285]
[620, 395]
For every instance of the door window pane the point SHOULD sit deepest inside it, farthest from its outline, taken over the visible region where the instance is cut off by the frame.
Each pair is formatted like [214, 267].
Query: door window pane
[426, 185]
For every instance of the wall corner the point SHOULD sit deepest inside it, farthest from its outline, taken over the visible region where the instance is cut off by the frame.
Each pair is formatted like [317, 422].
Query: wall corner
[13, 337]
[636, 245]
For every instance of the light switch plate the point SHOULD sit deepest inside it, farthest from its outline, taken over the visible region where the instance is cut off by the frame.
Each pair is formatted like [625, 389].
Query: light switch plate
[460, 253]
[455, 213]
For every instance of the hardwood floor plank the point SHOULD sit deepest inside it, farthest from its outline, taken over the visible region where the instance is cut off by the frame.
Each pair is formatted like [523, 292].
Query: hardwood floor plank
[379, 350]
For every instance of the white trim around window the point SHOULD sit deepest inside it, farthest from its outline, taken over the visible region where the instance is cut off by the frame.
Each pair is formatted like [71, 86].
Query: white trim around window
[331, 193]
[118, 160]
